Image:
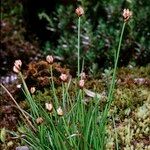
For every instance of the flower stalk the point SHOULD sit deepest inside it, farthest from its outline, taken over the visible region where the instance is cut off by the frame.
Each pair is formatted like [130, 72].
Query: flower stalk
[111, 90]
[80, 12]
[79, 24]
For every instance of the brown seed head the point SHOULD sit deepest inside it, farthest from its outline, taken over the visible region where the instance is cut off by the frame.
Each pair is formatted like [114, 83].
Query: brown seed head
[79, 11]
[39, 120]
[126, 14]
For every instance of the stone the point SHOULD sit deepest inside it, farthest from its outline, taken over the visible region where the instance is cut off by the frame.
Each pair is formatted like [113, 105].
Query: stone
[22, 148]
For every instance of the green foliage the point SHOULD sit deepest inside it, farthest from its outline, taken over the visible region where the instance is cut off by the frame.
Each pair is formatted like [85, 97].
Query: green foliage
[83, 123]
[82, 126]
[10, 9]
[71, 123]
[100, 33]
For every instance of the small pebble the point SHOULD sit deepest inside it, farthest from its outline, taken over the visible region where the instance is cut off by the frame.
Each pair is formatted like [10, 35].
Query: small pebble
[22, 148]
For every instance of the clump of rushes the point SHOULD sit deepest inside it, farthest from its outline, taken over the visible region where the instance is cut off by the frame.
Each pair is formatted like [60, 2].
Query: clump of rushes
[73, 124]
[80, 12]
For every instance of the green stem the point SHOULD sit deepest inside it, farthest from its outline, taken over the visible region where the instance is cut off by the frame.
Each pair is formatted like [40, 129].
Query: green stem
[110, 95]
[53, 87]
[112, 86]
[34, 107]
[63, 95]
[67, 131]
[79, 22]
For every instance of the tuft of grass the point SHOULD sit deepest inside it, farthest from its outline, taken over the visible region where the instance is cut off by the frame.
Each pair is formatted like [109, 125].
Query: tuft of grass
[80, 125]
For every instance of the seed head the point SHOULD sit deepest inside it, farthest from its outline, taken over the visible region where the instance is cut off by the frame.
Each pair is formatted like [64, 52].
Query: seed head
[32, 90]
[60, 111]
[50, 59]
[64, 77]
[81, 83]
[39, 120]
[17, 66]
[49, 106]
[79, 11]
[126, 14]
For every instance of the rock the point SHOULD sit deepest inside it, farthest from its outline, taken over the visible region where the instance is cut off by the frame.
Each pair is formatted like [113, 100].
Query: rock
[22, 148]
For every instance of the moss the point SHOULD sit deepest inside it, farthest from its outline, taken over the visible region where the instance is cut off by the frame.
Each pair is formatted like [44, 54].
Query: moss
[129, 109]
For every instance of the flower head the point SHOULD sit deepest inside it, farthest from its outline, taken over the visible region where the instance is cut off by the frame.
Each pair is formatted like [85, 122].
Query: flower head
[39, 120]
[60, 111]
[17, 66]
[81, 83]
[15, 69]
[126, 14]
[64, 77]
[49, 106]
[79, 11]
[32, 90]
[18, 63]
[49, 59]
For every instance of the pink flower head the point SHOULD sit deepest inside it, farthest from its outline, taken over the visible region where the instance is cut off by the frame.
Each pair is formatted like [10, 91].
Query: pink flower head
[81, 83]
[17, 66]
[49, 59]
[64, 77]
[49, 106]
[126, 14]
[60, 111]
[79, 11]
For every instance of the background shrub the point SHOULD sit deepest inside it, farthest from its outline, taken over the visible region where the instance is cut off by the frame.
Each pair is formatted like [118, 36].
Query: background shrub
[55, 25]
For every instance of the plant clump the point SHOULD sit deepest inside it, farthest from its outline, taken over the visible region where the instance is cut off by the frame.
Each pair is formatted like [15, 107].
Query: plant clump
[65, 112]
